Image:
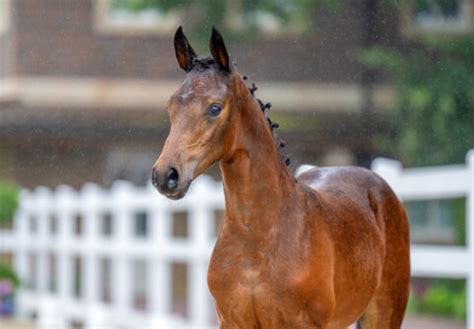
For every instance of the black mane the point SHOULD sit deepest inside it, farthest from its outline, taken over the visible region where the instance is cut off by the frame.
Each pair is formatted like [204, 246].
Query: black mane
[265, 107]
[203, 64]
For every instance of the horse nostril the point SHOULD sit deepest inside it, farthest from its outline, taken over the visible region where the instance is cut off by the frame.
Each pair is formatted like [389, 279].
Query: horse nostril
[154, 177]
[172, 177]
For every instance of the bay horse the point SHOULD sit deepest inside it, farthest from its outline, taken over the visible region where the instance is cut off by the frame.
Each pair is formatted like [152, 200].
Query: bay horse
[323, 250]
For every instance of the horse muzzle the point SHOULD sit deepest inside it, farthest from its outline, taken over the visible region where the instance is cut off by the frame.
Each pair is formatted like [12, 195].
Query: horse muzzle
[169, 183]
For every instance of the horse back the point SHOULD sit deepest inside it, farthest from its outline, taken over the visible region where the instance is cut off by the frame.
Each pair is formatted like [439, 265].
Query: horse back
[355, 198]
[349, 189]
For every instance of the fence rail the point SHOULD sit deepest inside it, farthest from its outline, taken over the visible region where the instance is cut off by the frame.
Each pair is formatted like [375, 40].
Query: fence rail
[105, 258]
[130, 258]
[435, 183]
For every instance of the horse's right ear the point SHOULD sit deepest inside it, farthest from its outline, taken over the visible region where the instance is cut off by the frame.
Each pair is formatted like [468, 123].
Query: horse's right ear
[185, 54]
[218, 50]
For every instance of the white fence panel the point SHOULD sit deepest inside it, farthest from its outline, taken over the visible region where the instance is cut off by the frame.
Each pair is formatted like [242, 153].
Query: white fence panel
[105, 258]
[63, 239]
[443, 182]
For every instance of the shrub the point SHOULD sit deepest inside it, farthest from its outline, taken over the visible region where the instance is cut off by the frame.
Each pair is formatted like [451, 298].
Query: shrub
[440, 297]
[8, 202]
[6, 272]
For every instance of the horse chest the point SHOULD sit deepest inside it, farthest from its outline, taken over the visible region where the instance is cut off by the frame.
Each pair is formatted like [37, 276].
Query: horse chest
[251, 296]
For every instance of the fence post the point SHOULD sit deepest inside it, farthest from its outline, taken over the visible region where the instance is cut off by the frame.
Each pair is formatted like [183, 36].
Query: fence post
[470, 240]
[90, 201]
[63, 198]
[160, 297]
[20, 228]
[122, 287]
[200, 223]
[43, 196]
[388, 169]
[49, 314]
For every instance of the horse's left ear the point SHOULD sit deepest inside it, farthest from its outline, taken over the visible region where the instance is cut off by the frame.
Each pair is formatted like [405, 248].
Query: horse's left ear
[218, 51]
[185, 54]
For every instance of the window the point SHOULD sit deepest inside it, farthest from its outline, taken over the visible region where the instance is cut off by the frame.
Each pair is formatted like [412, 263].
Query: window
[4, 16]
[112, 17]
[278, 18]
[274, 19]
[439, 16]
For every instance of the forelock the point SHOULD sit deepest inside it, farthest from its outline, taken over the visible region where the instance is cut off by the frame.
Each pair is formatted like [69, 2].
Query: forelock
[203, 64]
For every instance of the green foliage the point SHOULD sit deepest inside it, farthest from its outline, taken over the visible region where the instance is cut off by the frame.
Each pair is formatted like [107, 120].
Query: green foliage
[459, 219]
[441, 300]
[6, 272]
[138, 5]
[433, 115]
[442, 297]
[413, 304]
[424, 5]
[8, 201]
[282, 9]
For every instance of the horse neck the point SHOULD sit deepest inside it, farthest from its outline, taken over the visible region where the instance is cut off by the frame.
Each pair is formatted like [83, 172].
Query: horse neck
[256, 180]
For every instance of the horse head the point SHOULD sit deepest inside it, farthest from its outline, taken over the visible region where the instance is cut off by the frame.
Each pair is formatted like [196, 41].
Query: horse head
[200, 114]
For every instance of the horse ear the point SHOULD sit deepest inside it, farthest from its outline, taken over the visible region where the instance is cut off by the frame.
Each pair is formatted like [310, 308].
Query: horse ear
[185, 54]
[218, 51]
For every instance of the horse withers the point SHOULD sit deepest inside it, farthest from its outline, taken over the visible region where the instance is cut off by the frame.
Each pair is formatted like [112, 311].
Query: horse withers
[323, 250]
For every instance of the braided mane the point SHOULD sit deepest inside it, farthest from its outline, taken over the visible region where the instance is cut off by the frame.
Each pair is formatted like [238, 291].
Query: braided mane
[265, 107]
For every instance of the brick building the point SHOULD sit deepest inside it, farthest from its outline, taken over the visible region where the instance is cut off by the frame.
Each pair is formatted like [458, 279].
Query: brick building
[82, 97]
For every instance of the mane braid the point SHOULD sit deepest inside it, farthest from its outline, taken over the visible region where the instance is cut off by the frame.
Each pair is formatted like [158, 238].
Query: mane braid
[265, 107]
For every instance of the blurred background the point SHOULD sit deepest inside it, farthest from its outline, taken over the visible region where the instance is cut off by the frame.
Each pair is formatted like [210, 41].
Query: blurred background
[83, 91]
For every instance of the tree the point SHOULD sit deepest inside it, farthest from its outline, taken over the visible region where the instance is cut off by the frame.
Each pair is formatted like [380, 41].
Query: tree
[433, 114]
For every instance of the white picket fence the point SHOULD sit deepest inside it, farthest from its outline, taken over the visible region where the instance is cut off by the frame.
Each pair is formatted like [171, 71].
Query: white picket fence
[102, 258]
[60, 233]
[435, 183]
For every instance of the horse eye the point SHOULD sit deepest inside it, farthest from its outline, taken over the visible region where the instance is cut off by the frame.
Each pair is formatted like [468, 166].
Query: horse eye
[214, 110]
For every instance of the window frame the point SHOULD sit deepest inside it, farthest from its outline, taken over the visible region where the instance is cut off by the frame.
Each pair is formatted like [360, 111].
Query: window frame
[411, 28]
[5, 16]
[234, 18]
[236, 22]
[103, 24]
